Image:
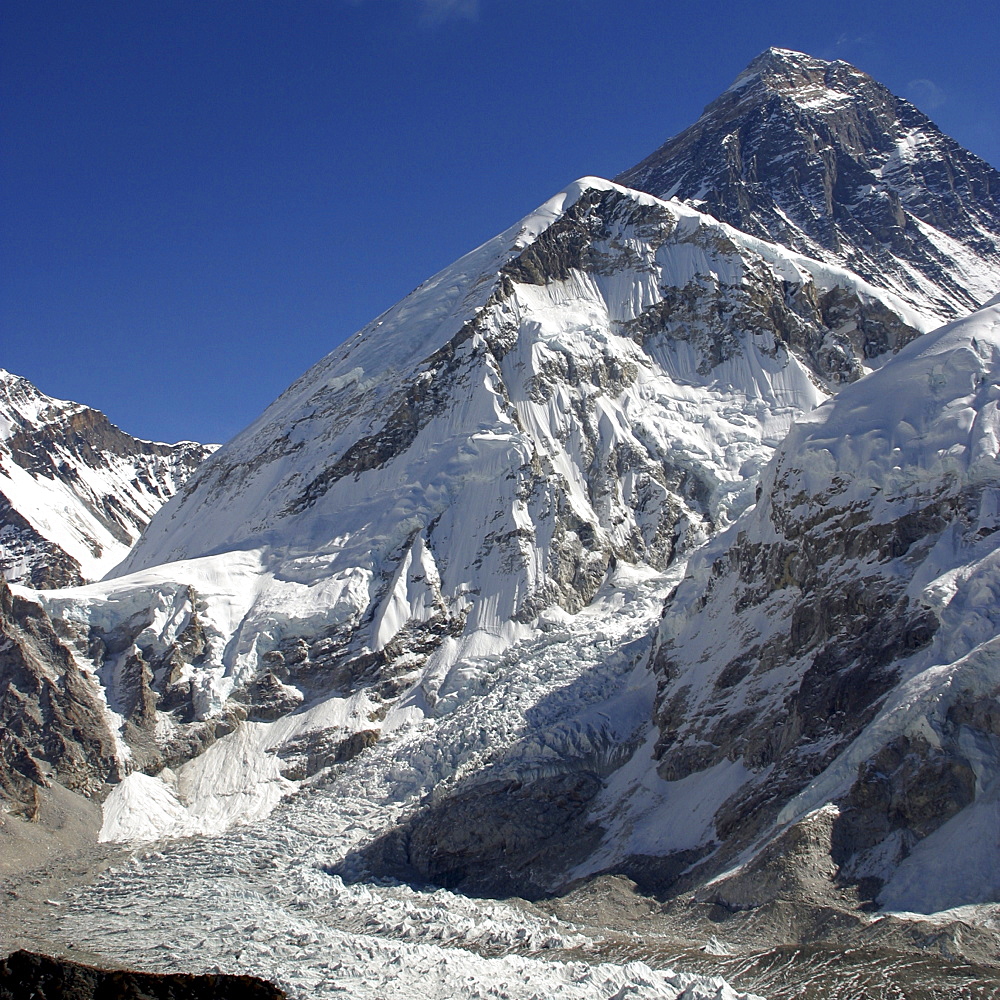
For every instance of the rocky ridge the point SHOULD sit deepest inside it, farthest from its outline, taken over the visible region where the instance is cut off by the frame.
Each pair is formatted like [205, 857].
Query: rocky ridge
[836, 647]
[819, 157]
[75, 491]
[55, 722]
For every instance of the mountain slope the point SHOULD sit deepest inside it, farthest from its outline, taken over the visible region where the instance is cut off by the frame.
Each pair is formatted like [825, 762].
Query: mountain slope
[75, 491]
[598, 385]
[831, 659]
[821, 158]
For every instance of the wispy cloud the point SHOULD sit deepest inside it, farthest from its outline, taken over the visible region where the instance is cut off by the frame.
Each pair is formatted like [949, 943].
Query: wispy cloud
[436, 10]
[848, 39]
[925, 94]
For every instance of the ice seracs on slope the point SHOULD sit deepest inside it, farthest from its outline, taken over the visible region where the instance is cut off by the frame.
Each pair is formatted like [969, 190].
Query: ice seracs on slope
[75, 491]
[821, 158]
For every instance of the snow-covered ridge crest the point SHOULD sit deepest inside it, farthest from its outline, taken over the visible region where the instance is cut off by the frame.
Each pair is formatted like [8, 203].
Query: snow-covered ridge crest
[404, 351]
[75, 491]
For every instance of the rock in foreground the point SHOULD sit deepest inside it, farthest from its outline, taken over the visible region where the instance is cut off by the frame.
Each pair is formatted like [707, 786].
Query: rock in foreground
[26, 974]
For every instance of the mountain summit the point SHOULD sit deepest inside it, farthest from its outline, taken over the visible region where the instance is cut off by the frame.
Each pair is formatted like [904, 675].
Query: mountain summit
[821, 158]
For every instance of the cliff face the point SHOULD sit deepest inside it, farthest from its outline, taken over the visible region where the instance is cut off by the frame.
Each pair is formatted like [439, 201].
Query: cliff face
[821, 158]
[55, 725]
[837, 646]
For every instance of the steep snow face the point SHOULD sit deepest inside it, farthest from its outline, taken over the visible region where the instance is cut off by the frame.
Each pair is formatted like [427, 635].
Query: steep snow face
[75, 491]
[821, 158]
[598, 385]
[837, 647]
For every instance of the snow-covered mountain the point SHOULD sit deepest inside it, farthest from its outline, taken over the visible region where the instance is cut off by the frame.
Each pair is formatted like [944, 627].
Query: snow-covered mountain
[598, 385]
[75, 491]
[821, 158]
[831, 660]
[536, 582]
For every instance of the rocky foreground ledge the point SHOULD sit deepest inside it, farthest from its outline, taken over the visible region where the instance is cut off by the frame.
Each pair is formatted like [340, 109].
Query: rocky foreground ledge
[26, 974]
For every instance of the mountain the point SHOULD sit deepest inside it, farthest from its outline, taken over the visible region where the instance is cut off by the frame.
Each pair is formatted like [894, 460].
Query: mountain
[631, 554]
[821, 158]
[75, 491]
[830, 661]
[599, 385]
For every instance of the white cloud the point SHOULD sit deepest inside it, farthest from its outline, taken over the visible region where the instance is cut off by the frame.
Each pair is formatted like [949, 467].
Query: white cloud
[925, 94]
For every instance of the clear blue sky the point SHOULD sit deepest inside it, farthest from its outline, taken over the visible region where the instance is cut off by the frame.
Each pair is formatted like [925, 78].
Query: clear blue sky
[201, 198]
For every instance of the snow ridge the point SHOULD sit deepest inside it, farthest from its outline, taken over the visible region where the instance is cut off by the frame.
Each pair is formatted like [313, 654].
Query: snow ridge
[75, 491]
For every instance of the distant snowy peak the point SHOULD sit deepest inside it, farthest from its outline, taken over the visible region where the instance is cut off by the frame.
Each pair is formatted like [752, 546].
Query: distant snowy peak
[821, 158]
[75, 491]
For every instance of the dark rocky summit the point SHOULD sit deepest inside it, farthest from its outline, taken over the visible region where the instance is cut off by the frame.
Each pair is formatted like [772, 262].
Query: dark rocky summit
[821, 158]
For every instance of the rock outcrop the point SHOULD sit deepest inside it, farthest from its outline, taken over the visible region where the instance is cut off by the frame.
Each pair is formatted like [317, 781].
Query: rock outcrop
[55, 726]
[26, 975]
[838, 643]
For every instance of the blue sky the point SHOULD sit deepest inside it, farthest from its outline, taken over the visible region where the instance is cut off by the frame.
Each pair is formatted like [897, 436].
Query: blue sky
[202, 198]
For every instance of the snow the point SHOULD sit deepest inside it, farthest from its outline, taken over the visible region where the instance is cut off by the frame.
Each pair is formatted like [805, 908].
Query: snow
[645, 815]
[71, 509]
[458, 527]
[261, 897]
[237, 780]
[463, 525]
[415, 539]
[410, 539]
[924, 428]
[956, 865]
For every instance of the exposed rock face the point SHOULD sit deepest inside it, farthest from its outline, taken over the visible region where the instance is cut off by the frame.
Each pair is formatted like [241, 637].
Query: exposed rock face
[498, 838]
[75, 491]
[819, 157]
[54, 725]
[839, 642]
[29, 976]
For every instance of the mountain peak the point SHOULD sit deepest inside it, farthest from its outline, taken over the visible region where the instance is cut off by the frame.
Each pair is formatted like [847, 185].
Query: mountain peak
[775, 60]
[819, 156]
[804, 78]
